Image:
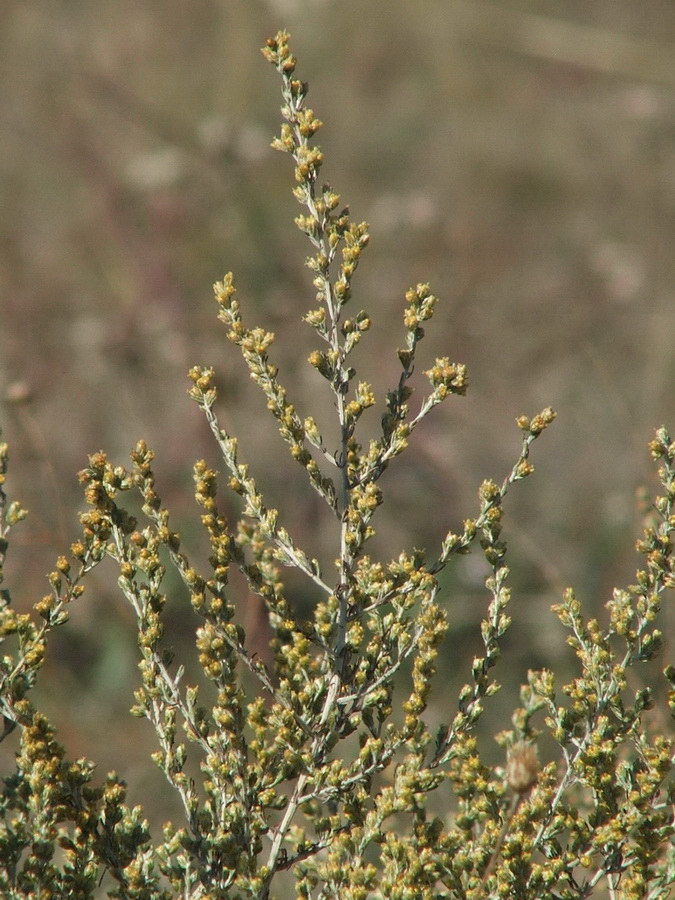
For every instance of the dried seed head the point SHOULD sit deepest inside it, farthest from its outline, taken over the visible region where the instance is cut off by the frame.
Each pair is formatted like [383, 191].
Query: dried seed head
[522, 768]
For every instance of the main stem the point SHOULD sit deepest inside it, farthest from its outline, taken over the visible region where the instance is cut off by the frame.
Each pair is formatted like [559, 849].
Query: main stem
[340, 386]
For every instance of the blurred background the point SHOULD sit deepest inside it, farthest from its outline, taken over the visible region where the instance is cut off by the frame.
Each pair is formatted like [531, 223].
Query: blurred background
[519, 156]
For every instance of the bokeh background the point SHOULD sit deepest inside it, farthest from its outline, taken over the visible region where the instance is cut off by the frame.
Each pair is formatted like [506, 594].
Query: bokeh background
[519, 156]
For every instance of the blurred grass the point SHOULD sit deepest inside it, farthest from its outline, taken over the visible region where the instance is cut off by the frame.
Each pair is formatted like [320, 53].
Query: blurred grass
[518, 156]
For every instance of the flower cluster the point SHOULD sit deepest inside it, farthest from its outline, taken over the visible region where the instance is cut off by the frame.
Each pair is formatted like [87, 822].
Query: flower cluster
[327, 763]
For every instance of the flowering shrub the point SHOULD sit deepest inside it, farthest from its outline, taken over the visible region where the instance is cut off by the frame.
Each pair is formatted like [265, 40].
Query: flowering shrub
[323, 770]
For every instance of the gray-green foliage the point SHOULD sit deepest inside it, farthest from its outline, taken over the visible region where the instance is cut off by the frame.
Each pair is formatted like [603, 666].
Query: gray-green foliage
[324, 769]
